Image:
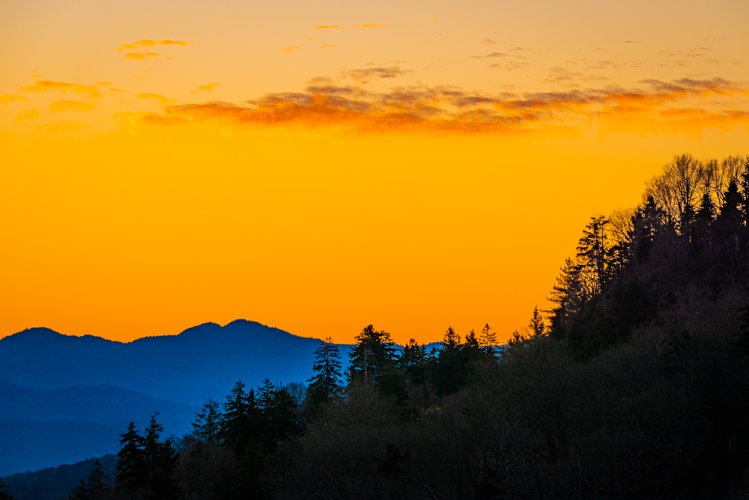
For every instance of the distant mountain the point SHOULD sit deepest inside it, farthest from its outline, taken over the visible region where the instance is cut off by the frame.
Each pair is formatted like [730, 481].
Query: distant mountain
[43, 428]
[200, 362]
[65, 398]
[56, 483]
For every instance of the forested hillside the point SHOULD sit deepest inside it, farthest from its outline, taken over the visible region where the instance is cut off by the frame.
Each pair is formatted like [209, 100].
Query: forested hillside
[634, 385]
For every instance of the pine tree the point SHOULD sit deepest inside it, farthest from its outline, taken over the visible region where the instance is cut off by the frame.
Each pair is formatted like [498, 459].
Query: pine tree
[594, 255]
[206, 425]
[280, 416]
[235, 417]
[451, 339]
[488, 341]
[131, 465]
[163, 483]
[373, 353]
[413, 361]
[96, 484]
[744, 181]
[536, 325]
[325, 384]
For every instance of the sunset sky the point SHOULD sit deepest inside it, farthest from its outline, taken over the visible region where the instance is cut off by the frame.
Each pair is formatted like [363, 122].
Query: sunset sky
[319, 166]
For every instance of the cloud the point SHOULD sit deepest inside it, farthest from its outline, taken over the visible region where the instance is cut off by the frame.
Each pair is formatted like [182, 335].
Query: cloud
[290, 49]
[510, 61]
[371, 25]
[139, 56]
[365, 75]
[140, 49]
[41, 86]
[324, 102]
[487, 41]
[139, 44]
[66, 105]
[327, 46]
[327, 27]
[209, 87]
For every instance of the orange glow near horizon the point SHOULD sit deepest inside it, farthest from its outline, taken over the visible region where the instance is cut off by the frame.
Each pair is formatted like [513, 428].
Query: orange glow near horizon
[151, 181]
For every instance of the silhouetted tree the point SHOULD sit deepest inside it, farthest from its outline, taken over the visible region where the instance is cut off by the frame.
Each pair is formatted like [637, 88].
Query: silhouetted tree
[325, 384]
[488, 341]
[207, 424]
[131, 464]
[236, 416]
[373, 353]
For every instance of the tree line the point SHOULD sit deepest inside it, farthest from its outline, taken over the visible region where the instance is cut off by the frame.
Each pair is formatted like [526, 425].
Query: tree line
[634, 385]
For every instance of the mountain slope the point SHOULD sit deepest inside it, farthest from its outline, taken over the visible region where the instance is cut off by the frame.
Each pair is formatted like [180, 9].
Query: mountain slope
[201, 362]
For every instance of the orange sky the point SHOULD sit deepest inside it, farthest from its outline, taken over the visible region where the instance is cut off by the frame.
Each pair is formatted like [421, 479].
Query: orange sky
[321, 167]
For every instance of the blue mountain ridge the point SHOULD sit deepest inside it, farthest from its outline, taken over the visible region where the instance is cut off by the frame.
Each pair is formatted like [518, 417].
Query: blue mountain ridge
[65, 398]
[201, 362]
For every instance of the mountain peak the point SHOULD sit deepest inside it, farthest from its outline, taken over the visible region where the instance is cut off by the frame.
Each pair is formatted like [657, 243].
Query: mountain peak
[36, 333]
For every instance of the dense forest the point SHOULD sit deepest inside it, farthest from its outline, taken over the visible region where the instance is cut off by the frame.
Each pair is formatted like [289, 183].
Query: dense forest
[634, 385]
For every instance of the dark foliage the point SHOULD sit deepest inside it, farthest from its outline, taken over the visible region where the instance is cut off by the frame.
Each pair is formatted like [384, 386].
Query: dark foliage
[637, 388]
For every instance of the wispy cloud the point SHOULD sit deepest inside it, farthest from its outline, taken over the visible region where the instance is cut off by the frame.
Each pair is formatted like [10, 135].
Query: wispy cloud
[452, 108]
[327, 27]
[141, 49]
[56, 86]
[365, 75]
[139, 44]
[139, 56]
[371, 25]
[289, 49]
[209, 87]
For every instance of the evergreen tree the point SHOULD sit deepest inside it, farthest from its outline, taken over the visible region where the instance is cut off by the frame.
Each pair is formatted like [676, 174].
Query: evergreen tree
[594, 255]
[265, 394]
[235, 417]
[325, 384]
[451, 339]
[570, 297]
[206, 425]
[131, 465]
[280, 417]
[373, 353]
[96, 484]
[745, 192]
[163, 481]
[488, 341]
[471, 343]
[536, 325]
[413, 361]
[152, 440]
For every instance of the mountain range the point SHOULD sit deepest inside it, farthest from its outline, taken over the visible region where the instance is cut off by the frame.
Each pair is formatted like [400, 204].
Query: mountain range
[65, 398]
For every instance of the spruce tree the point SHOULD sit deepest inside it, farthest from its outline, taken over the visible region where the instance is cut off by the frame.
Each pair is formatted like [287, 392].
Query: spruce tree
[373, 353]
[325, 384]
[206, 425]
[488, 341]
[131, 466]
[235, 417]
[536, 325]
[96, 484]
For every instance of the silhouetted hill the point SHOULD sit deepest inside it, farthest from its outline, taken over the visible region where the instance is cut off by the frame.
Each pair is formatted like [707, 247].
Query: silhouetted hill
[55, 483]
[44, 428]
[201, 362]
